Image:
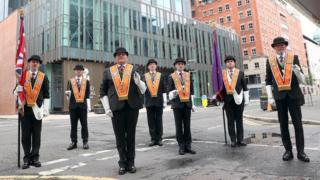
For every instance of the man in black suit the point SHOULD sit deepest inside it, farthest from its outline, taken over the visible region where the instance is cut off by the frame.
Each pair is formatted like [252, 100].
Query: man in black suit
[121, 92]
[181, 95]
[36, 85]
[236, 95]
[155, 101]
[78, 94]
[283, 76]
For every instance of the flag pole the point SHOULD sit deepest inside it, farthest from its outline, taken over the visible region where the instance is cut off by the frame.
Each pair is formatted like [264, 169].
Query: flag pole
[224, 126]
[19, 107]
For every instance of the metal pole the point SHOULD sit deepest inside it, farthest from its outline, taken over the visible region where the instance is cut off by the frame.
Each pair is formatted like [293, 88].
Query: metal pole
[19, 121]
[224, 126]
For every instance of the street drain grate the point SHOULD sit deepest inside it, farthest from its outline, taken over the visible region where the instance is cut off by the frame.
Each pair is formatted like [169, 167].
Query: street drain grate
[267, 138]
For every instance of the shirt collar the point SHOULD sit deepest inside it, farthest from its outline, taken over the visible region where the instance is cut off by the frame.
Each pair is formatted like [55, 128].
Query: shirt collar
[78, 78]
[152, 72]
[283, 55]
[178, 72]
[36, 72]
[124, 65]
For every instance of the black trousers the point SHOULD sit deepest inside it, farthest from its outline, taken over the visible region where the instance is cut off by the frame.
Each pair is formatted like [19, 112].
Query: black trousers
[124, 124]
[154, 115]
[183, 131]
[235, 117]
[294, 108]
[31, 137]
[76, 115]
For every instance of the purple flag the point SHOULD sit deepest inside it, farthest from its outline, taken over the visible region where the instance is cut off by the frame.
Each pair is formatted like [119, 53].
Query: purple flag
[216, 66]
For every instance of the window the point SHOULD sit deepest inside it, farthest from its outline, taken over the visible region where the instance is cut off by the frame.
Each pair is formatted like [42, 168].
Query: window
[249, 13]
[210, 12]
[240, 15]
[256, 65]
[253, 51]
[193, 13]
[227, 7]
[221, 20]
[239, 3]
[247, 1]
[220, 9]
[229, 18]
[242, 27]
[250, 26]
[251, 38]
[244, 40]
[245, 52]
[245, 66]
[204, 13]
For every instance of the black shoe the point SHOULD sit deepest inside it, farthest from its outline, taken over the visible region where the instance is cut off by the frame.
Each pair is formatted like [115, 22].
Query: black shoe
[241, 143]
[287, 156]
[25, 165]
[153, 143]
[122, 171]
[36, 163]
[303, 157]
[73, 145]
[132, 169]
[182, 151]
[85, 145]
[233, 144]
[190, 151]
[160, 143]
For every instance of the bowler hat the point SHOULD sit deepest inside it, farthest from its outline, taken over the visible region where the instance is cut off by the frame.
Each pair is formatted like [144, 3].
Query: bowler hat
[151, 61]
[179, 60]
[279, 40]
[230, 58]
[120, 50]
[78, 67]
[35, 57]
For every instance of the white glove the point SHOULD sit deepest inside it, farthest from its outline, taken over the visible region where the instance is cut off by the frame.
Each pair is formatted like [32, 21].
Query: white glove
[173, 94]
[300, 76]
[88, 105]
[269, 93]
[246, 97]
[68, 94]
[141, 85]
[165, 101]
[17, 89]
[193, 106]
[46, 107]
[105, 103]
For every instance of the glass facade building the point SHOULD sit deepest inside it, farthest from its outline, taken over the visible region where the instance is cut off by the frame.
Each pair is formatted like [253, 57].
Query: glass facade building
[88, 32]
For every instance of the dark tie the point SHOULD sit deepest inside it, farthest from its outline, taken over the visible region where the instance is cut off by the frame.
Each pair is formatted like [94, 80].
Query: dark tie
[281, 59]
[33, 76]
[230, 73]
[78, 83]
[181, 78]
[121, 70]
[152, 77]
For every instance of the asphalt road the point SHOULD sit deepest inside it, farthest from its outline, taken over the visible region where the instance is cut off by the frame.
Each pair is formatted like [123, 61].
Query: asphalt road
[261, 159]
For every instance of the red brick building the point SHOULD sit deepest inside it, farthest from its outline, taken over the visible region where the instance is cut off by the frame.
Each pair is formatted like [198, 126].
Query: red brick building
[257, 22]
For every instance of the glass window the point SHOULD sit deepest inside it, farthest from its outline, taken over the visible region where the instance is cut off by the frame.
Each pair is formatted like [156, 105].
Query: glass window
[239, 3]
[251, 38]
[244, 40]
[145, 47]
[249, 13]
[253, 51]
[135, 46]
[74, 32]
[250, 26]
[245, 66]
[229, 18]
[221, 20]
[178, 4]
[220, 9]
[242, 27]
[245, 52]
[227, 7]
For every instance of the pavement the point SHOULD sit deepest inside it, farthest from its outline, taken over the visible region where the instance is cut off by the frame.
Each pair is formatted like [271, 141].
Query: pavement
[261, 159]
[309, 112]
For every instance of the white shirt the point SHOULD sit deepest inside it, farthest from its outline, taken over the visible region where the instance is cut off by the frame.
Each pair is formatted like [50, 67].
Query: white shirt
[283, 56]
[229, 75]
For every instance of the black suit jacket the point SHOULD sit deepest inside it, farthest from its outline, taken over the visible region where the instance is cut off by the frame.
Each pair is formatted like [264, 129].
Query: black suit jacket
[176, 103]
[72, 102]
[240, 85]
[155, 101]
[43, 94]
[107, 88]
[294, 93]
